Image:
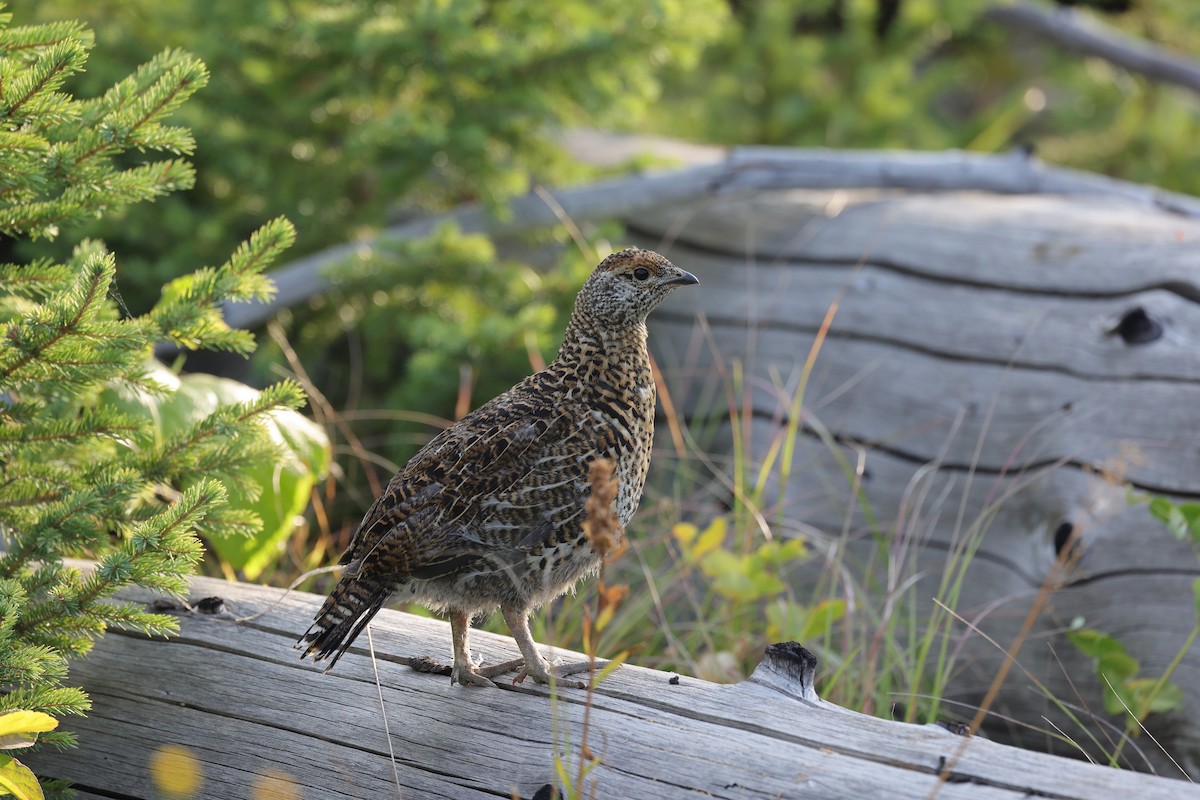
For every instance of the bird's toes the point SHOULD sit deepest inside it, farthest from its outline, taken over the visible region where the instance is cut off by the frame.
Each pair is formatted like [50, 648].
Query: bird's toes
[467, 676]
[576, 667]
[542, 672]
[492, 670]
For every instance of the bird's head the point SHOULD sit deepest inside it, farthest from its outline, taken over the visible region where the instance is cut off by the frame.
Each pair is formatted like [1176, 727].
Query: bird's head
[628, 285]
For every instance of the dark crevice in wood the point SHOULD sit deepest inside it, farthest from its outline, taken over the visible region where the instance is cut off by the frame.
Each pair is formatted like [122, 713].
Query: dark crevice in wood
[1116, 574]
[92, 790]
[1033, 582]
[659, 780]
[854, 336]
[1183, 290]
[1013, 469]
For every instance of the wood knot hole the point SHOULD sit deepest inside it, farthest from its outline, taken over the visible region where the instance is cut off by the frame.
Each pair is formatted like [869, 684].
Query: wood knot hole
[1138, 327]
[1066, 543]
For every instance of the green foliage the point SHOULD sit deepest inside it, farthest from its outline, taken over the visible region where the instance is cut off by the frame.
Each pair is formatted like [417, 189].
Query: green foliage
[338, 114]
[1181, 519]
[346, 115]
[1124, 692]
[80, 475]
[739, 577]
[937, 74]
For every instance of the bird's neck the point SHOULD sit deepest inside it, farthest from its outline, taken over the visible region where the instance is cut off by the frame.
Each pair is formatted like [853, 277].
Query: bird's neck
[589, 341]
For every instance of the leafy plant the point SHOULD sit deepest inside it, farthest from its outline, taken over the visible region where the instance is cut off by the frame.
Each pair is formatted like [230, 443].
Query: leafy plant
[1126, 692]
[20, 729]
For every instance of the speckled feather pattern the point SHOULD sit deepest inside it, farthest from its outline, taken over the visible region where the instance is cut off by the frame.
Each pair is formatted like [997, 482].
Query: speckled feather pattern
[490, 512]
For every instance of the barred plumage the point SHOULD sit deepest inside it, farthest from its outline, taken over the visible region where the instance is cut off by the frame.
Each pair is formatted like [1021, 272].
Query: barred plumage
[489, 513]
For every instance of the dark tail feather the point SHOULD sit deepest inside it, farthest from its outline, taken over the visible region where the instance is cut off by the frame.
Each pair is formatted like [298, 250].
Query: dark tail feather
[342, 618]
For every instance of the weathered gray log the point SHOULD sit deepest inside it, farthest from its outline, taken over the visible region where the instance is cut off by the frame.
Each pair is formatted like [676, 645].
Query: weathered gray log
[237, 698]
[1085, 35]
[745, 170]
[976, 371]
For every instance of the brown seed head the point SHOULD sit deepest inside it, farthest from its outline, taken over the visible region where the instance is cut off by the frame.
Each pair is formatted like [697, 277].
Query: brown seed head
[601, 527]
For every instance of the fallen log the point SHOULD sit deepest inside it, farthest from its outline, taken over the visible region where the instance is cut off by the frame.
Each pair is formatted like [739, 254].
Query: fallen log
[248, 716]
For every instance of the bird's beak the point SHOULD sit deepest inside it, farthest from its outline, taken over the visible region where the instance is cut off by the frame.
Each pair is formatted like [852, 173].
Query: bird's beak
[683, 279]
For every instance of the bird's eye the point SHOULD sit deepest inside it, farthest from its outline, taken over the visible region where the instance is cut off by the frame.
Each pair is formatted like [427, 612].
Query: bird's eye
[641, 273]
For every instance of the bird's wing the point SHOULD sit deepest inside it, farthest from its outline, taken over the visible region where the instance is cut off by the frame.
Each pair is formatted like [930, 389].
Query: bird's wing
[511, 476]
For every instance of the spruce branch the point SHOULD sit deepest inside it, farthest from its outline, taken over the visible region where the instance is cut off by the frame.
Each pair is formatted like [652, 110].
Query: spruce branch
[40, 278]
[86, 468]
[25, 342]
[189, 313]
[32, 92]
[24, 41]
[159, 87]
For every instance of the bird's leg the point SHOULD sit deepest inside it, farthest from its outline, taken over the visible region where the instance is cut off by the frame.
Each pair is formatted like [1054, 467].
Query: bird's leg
[536, 666]
[464, 668]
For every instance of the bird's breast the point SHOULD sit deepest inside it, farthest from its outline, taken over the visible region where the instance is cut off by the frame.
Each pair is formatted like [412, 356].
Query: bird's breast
[622, 410]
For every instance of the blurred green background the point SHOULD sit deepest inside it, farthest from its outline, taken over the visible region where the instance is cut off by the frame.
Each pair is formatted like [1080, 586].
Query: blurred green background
[349, 116]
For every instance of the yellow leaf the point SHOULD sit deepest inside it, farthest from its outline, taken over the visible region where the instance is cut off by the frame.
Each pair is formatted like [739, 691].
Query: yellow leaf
[605, 617]
[20, 728]
[685, 533]
[17, 779]
[612, 664]
[712, 538]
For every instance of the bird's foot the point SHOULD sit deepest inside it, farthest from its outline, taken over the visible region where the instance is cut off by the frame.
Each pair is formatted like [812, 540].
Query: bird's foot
[542, 672]
[470, 675]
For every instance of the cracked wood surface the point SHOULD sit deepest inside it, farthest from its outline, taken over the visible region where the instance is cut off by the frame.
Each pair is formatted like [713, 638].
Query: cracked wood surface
[237, 697]
[973, 377]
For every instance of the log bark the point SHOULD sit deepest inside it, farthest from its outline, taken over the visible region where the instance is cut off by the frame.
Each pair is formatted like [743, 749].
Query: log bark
[235, 696]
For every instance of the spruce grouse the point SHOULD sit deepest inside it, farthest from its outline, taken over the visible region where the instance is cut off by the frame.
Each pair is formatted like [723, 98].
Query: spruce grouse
[490, 512]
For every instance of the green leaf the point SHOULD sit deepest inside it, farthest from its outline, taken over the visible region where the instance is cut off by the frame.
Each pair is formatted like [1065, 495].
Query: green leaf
[1168, 698]
[1117, 697]
[18, 780]
[1094, 644]
[1196, 598]
[822, 618]
[286, 485]
[1182, 520]
[1118, 666]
